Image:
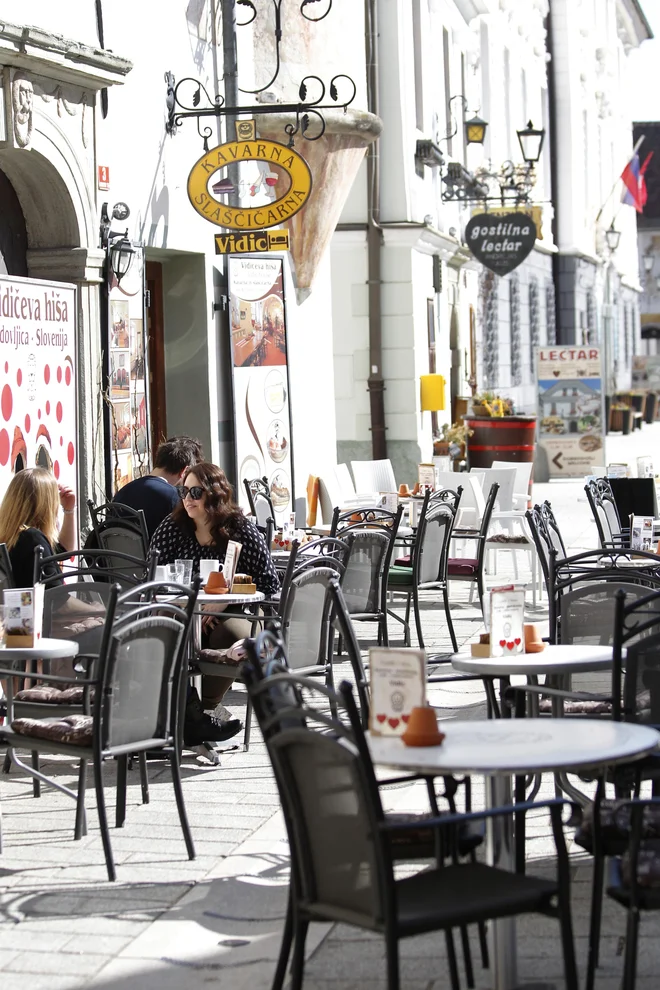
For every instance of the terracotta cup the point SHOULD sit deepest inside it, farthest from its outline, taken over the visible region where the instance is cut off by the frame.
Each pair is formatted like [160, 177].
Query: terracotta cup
[403, 490]
[422, 729]
[533, 641]
[415, 490]
[215, 583]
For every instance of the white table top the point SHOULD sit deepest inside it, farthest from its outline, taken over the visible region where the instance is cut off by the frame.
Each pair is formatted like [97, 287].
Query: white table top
[46, 649]
[230, 599]
[515, 746]
[559, 659]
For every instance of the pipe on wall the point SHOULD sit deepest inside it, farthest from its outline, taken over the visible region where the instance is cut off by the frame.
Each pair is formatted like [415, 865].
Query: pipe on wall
[375, 382]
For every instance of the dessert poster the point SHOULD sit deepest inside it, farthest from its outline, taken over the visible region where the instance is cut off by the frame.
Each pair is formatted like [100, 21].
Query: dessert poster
[398, 684]
[127, 396]
[261, 381]
[38, 421]
[570, 410]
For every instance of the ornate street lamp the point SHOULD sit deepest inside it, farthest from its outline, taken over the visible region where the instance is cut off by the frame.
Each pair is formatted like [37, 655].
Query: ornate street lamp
[121, 256]
[475, 130]
[648, 263]
[531, 143]
[119, 248]
[612, 236]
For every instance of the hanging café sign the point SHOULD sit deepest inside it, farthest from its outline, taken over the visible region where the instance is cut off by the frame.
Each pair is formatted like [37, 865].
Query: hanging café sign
[209, 181]
[501, 243]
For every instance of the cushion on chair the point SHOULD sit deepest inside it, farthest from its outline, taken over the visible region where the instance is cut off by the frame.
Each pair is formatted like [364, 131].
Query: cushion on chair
[462, 565]
[518, 538]
[589, 707]
[72, 729]
[400, 576]
[405, 561]
[615, 817]
[234, 656]
[44, 694]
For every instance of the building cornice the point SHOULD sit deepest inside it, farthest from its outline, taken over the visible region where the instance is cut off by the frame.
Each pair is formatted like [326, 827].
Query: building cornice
[61, 58]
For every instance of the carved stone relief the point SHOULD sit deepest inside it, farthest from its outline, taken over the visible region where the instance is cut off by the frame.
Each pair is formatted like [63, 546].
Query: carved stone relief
[22, 103]
[62, 100]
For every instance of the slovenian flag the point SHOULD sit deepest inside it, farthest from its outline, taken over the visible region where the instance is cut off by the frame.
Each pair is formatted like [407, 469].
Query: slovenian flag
[634, 183]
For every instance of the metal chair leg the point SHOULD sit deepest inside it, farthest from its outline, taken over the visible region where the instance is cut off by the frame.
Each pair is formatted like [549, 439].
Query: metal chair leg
[630, 962]
[181, 808]
[450, 623]
[298, 961]
[36, 783]
[392, 954]
[451, 960]
[595, 920]
[248, 724]
[285, 948]
[103, 817]
[81, 818]
[144, 777]
[120, 807]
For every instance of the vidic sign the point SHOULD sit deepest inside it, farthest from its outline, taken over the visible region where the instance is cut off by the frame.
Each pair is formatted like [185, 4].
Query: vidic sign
[501, 243]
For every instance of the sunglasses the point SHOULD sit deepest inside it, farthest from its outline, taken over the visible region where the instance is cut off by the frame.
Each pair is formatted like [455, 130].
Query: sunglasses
[195, 492]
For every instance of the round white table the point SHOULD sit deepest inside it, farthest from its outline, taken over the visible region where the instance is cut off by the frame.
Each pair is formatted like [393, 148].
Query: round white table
[44, 649]
[500, 748]
[554, 659]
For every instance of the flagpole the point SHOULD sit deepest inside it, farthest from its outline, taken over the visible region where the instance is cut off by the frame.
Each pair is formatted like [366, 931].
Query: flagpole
[618, 178]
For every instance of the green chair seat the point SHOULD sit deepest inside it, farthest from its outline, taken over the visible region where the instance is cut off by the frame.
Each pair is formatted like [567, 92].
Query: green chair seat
[400, 577]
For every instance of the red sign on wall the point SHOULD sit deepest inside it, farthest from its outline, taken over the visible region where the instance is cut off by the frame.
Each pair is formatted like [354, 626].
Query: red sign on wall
[103, 177]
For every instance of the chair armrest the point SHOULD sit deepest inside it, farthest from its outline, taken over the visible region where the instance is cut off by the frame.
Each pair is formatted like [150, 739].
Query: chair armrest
[468, 816]
[49, 678]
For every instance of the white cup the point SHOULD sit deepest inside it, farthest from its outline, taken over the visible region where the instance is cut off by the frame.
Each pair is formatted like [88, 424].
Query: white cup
[205, 568]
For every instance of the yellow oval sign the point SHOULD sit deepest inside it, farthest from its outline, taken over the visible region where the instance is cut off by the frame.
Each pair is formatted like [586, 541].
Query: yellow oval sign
[254, 217]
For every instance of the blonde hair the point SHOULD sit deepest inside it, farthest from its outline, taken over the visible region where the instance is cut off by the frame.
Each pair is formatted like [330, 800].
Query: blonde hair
[31, 501]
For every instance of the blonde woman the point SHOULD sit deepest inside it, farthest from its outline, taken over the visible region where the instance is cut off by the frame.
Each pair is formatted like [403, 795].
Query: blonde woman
[28, 519]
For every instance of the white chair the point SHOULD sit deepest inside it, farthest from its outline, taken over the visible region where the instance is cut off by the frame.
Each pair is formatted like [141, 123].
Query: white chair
[374, 476]
[509, 530]
[523, 471]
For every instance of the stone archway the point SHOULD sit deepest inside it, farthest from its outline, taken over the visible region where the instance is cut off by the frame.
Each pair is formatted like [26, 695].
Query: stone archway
[13, 232]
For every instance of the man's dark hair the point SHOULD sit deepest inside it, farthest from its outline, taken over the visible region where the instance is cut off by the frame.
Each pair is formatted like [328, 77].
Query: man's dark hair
[177, 454]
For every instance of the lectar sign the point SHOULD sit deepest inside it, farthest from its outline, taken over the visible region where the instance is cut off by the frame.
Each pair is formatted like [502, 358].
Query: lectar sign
[250, 218]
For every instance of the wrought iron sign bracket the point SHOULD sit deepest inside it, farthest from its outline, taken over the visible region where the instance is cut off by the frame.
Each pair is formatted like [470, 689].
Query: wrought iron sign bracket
[514, 184]
[309, 120]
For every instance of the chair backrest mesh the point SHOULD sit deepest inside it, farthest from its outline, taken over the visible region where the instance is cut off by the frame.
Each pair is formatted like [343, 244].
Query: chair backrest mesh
[305, 622]
[329, 821]
[123, 539]
[641, 685]
[6, 572]
[433, 542]
[61, 619]
[587, 612]
[137, 676]
[612, 515]
[362, 581]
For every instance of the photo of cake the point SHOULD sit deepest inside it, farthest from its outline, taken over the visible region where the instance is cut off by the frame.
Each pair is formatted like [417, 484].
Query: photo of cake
[280, 492]
[278, 446]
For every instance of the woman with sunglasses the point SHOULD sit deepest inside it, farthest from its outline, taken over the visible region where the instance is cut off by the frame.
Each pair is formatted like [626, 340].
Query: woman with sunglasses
[199, 528]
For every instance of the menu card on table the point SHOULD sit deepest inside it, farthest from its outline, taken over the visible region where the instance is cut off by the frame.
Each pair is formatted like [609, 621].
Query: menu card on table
[389, 501]
[641, 533]
[231, 561]
[426, 475]
[507, 621]
[398, 684]
[23, 615]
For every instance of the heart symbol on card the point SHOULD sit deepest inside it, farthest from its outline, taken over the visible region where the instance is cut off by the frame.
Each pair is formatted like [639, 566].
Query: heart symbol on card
[393, 722]
[502, 643]
[517, 641]
[381, 718]
[510, 645]
[556, 373]
[405, 718]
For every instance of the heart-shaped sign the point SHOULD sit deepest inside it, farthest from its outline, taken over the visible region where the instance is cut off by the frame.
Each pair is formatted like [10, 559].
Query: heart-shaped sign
[393, 722]
[517, 641]
[381, 718]
[502, 643]
[510, 645]
[405, 718]
[501, 243]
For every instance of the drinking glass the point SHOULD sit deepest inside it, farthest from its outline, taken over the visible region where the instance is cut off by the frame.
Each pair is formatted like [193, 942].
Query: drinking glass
[186, 567]
[175, 572]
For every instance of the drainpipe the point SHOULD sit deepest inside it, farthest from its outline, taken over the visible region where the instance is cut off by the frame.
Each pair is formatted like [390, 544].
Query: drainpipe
[554, 170]
[375, 383]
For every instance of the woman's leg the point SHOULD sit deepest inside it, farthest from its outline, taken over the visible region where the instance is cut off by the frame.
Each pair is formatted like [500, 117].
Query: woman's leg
[221, 637]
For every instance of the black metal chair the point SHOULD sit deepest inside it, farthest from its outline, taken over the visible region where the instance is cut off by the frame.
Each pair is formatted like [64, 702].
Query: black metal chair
[471, 569]
[6, 571]
[327, 551]
[119, 528]
[261, 506]
[364, 582]
[362, 518]
[133, 690]
[430, 553]
[341, 840]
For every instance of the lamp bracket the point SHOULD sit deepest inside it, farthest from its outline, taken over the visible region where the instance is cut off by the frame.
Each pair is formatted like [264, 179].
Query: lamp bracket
[309, 123]
[510, 183]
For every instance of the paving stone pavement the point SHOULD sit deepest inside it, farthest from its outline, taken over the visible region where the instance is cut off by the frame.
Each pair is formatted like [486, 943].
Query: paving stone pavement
[168, 923]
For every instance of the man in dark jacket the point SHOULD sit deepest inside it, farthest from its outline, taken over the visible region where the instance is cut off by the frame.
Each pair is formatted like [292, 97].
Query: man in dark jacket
[155, 493]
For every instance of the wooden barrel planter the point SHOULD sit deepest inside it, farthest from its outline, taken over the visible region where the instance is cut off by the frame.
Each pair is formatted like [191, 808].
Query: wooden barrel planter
[500, 438]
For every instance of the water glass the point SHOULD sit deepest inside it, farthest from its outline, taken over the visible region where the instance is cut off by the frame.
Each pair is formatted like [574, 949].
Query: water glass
[186, 568]
[175, 573]
[160, 573]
